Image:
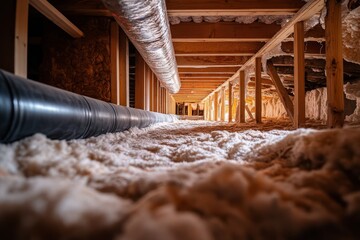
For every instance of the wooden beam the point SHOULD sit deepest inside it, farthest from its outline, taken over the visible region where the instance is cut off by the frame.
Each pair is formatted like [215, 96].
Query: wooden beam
[21, 38]
[49, 11]
[216, 49]
[124, 68]
[249, 112]
[223, 32]
[222, 97]
[231, 8]
[242, 96]
[299, 75]
[258, 100]
[139, 82]
[114, 63]
[334, 64]
[283, 95]
[215, 61]
[207, 70]
[207, 76]
[230, 101]
[148, 73]
[216, 106]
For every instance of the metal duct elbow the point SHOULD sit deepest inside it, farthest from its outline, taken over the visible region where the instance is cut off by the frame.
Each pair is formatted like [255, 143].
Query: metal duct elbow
[146, 24]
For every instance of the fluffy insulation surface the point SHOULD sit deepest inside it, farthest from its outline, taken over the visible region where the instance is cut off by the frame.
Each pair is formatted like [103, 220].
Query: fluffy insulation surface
[184, 180]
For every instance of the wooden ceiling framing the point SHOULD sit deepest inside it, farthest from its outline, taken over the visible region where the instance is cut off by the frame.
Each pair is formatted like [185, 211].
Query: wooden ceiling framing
[209, 55]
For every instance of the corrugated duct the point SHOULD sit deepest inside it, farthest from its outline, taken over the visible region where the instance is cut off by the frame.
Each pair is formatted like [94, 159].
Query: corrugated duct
[146, 24]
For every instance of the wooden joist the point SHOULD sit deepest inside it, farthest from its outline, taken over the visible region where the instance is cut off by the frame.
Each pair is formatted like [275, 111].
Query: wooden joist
[283, 95]
[231, 8]
[206, 76]
[216, 49]
[49, 11]
[223, 32]
[334, 65]
[215, 61]
[207, 70]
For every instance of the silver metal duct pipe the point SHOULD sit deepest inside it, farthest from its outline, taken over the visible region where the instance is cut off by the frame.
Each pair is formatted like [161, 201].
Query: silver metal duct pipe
[146, 24]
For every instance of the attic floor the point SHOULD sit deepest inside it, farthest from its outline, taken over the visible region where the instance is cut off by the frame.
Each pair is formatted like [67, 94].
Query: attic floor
[185, 180]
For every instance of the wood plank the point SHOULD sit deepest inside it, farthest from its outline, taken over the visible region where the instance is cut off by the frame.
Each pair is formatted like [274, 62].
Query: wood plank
[211, 75]
[299, 75]
[157, 95]
[124, 68]
[242, 96]
[189, 110]
[249, 112]
[215, 61]
[49, 11]
[216, 49]
[114, 63]
[334, 64]
[223, 32]
[139, 82]
[207, 70]
[258, 100]
[148, 73]
[222, 98]
[283, 94]
[21, 38]
[216, 106]
[231, 8]
[230, 95]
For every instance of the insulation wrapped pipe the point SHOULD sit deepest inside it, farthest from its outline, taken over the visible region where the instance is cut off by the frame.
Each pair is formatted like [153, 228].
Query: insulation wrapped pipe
[29, 107]
[146, 24]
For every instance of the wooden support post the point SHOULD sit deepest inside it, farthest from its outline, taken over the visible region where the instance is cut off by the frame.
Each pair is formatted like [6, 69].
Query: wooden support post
[124, 68]
[114, 63]
[209, 109]
[139, 81]
[158, 90]
[216, 106]
[152, 100]
[242, 96]
[230, 101]
[258, 89]
[189, 110]
[155, 94]
[21, 38]
[299, 75]
[283, 95]
[147, 87]
[334, 65]
[222, 113]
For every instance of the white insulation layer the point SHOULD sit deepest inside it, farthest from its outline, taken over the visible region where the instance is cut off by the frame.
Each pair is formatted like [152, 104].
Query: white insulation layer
[316, 104]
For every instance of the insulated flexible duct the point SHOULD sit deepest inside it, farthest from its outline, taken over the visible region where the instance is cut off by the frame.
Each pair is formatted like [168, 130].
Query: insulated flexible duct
[145, 23]
[28, 107]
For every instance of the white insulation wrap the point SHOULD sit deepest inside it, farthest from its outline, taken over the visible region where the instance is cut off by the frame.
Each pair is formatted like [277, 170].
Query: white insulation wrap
[146, 24]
